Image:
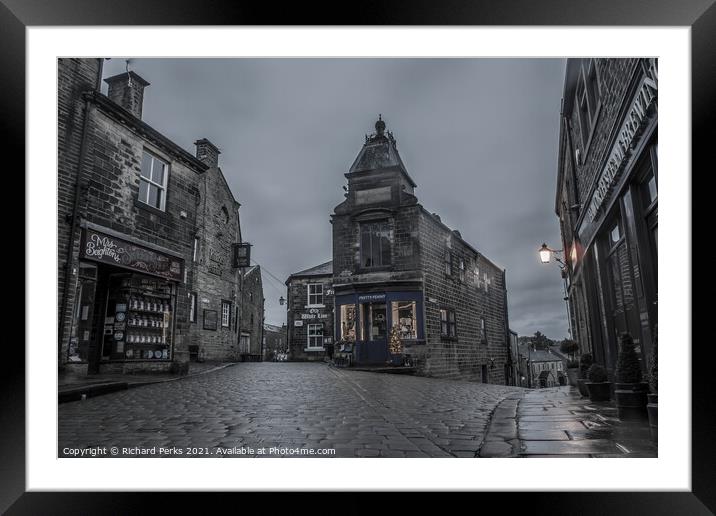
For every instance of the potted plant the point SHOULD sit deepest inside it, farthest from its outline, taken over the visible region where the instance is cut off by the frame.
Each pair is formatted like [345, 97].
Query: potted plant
[652, 407]
[630, 391]
[599, 387]
[585, 362]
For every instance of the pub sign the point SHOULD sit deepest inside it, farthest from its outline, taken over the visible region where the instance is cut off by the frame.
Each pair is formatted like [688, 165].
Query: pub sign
[242, 255]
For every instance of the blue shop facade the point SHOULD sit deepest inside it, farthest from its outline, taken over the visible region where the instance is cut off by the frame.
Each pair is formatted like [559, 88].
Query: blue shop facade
[379, 325]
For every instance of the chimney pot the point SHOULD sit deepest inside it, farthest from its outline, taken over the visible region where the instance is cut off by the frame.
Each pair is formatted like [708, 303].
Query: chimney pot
[127, 90]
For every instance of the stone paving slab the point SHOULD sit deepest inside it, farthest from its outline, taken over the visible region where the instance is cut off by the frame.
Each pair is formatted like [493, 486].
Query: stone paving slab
[568, 447]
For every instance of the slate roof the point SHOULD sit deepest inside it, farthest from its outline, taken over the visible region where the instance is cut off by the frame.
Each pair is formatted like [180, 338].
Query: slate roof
[542, 356]
[379, 151]
[324, 269]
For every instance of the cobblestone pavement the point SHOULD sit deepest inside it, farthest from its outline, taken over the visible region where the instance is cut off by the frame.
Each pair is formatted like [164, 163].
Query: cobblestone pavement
[558, 422]
[271, 405]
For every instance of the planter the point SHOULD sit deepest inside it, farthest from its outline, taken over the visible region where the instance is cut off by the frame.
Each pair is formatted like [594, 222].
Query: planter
[652, 409]
[631, 400]
[573, 374]
[582, 386]
[599, 391]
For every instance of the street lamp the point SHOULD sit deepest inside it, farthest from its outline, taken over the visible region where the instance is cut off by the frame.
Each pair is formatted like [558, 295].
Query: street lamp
[281, 301]
[545, 255]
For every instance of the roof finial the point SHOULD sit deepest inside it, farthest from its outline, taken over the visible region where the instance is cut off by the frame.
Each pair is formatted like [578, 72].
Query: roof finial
[380, 125]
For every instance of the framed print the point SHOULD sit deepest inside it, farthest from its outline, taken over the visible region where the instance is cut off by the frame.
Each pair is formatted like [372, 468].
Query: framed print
[398, 319]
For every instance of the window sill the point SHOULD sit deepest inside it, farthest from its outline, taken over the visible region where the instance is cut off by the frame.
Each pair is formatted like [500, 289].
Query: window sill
[150, 209]
[314, 349]
[445, 337]
[314, 306]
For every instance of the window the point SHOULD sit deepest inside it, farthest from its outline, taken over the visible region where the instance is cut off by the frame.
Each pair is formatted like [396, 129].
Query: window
[315, 336]
[348, 323]
[483, 329]
[375, 244]
[461, 271]
[404, 318]
[192, 306]
[195, 253]
[448, 262]
[587, 99]
[225, 314]
[153, 181]
[315, 294]
[485, 281]
[447, 323]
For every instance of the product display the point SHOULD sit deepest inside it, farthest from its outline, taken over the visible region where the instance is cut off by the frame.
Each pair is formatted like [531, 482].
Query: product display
[141, 322]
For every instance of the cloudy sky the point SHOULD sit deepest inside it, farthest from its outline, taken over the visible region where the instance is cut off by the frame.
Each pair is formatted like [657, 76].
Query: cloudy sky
[478, 136]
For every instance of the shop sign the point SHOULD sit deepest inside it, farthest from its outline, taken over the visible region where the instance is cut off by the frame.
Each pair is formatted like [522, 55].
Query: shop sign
[365, 298]
[108, 249]
[627, 137]
[241, 256]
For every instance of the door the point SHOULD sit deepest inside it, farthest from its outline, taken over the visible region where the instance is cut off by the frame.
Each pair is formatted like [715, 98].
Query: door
[374, 348]
[82, 332]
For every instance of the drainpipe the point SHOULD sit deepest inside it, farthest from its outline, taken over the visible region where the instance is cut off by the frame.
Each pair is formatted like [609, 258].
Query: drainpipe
[79, 186]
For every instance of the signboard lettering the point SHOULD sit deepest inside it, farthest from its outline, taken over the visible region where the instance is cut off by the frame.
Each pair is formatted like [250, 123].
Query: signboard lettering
[371, 297]
[626, 139]
[104, 248]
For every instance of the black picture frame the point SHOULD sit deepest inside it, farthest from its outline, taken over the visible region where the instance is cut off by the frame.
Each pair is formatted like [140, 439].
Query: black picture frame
[210, 320]
[699, 15]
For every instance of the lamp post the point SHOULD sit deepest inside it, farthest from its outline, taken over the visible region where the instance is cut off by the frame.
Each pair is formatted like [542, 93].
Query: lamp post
[545, 255]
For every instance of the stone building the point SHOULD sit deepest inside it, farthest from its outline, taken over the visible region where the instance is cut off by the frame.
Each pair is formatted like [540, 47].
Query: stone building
[310, 312]
[275, 341]
[544, 369]
[606, 201]
[252, 315]
[129, 212]
[402, 277]
[214, 299]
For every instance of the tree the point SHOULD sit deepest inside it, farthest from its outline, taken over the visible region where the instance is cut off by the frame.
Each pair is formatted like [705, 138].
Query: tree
[540, 341]
[569, 347]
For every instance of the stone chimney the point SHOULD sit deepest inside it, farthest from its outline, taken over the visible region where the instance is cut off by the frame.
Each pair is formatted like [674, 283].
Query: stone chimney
[127, 90]
[207, 152]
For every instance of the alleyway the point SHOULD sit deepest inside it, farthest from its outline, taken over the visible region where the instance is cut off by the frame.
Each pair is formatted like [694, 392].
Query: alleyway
[249, 406]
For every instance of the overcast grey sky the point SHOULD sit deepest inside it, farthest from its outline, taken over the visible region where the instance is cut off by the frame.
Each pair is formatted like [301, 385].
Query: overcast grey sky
[478, 136]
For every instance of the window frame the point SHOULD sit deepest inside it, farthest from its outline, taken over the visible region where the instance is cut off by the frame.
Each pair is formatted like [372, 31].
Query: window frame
[308, 295]
[582, 96]
[225, 313]
[362, 227]
[448, 262]
[451, 326]
[310, 335]
[163, 187]
[192, 307]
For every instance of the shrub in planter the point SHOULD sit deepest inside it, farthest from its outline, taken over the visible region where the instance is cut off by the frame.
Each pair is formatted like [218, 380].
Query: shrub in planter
[652, 406]
[630, 391]
[573, 372]
[585, 362]
[598, 386]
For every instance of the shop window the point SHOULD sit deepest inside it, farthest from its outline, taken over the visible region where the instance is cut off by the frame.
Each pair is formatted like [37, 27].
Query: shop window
[153, 181]
[192, 307]
[447, 323]
[315, 294]
[375, 244]
[405, 319]
[315, 335]
[225, 314]
[348, 322]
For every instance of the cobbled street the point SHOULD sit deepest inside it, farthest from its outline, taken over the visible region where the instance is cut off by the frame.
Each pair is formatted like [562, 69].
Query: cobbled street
[291, 405]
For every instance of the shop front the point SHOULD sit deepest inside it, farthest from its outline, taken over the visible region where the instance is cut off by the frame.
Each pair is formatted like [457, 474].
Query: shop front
[619, 234]
[380, 325]
[124, 314]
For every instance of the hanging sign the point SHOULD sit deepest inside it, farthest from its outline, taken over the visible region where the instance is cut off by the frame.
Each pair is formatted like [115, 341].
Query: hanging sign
[241, 255]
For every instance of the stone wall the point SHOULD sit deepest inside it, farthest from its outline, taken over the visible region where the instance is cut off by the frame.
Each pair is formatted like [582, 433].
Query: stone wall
[299, 311]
